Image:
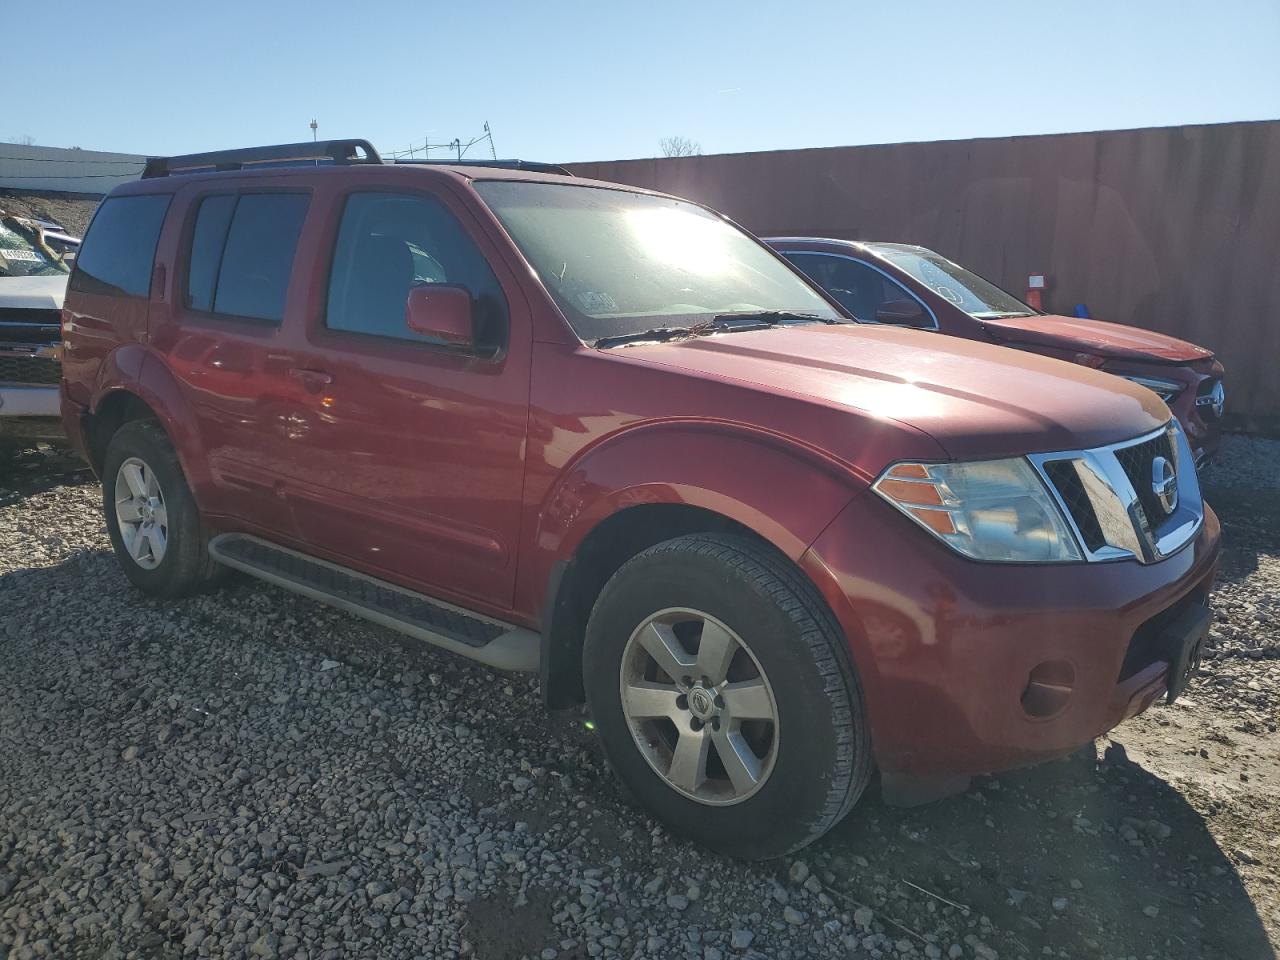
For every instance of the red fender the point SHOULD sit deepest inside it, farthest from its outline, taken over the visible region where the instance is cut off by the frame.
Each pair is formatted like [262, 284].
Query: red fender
[132, 369]
[728, 469]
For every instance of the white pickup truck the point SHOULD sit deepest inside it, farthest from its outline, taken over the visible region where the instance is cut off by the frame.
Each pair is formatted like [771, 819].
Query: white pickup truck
[34, 266]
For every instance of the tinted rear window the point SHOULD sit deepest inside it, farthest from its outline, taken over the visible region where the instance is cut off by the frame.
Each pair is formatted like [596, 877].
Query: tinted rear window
[120, 248]
[242, 251]
[206, 249]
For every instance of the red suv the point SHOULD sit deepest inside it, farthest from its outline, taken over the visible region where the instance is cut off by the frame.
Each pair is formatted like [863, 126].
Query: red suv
[571, 427]
[911, 286]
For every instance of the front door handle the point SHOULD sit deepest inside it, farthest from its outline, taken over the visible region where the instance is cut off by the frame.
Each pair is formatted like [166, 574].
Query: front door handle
[311, 379]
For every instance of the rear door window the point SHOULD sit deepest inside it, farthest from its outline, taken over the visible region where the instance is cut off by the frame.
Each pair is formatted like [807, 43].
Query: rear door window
[118, 252]
[242, 251]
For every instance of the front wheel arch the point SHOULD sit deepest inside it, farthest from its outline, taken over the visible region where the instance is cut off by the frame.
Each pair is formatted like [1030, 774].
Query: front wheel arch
[575, 584]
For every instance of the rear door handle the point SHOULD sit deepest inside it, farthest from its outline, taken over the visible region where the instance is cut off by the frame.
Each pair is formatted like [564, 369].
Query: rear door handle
[311, 379]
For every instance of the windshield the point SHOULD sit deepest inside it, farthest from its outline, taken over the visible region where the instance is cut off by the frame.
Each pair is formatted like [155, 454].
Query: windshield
[620, 263]
[968, 291]
[24, 252]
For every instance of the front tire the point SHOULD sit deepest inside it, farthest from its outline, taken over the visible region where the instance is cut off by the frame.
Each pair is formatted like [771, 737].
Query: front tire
[151, 515]
[724, 697]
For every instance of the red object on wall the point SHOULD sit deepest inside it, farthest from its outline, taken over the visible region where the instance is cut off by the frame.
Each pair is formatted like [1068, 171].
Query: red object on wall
[1035, 284]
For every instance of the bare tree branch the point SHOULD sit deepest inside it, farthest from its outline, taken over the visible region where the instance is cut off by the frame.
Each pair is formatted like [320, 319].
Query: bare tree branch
[679, 147]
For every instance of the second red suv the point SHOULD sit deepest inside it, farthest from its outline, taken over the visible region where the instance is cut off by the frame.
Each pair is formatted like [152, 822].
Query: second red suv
[911, 286]
[600, 433]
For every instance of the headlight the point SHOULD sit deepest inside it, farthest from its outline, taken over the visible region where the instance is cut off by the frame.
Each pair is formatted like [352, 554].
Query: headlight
[987, 510]
[1165, 389]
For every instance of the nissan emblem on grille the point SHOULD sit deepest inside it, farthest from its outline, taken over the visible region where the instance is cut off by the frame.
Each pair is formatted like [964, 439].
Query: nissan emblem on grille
[1164, 484]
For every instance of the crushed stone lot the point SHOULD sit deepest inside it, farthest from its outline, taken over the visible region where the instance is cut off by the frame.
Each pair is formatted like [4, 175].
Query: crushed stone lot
[250, 774]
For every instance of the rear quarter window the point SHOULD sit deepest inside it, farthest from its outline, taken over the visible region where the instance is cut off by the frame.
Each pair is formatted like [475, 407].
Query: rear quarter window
[120, 247]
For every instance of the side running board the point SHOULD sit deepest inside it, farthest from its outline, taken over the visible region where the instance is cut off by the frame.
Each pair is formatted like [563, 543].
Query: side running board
[459, 631]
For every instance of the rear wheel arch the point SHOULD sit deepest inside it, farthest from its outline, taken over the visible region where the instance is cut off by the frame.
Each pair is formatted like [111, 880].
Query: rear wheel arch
[113, 411]
[144, 389]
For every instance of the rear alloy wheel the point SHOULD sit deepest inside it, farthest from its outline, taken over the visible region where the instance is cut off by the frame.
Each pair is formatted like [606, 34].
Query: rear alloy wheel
[140, 513]
[151, 515]
[723, 694]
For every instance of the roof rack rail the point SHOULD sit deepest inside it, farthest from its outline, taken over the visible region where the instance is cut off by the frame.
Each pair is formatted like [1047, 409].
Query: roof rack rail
[276, 155]
[535, 166]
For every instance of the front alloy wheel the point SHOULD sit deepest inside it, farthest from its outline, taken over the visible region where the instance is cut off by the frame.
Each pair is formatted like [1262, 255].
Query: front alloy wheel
[724, 697]
[699, 706]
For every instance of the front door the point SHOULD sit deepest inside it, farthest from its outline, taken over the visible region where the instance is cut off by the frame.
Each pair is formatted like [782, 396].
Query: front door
[413, 463]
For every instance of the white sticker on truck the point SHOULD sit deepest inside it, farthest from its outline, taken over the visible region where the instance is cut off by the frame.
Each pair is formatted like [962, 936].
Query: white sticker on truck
[29, 255]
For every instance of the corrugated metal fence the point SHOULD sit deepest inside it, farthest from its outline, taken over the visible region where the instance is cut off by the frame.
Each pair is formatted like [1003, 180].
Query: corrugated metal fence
[1171, 228]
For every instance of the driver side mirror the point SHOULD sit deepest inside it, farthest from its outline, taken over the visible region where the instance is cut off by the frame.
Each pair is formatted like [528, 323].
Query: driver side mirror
[440, 312]
[904, 313]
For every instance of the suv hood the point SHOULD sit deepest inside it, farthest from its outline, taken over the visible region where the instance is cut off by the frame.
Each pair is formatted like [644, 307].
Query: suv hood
[1114, 341]
[33, 293]
[975, 399]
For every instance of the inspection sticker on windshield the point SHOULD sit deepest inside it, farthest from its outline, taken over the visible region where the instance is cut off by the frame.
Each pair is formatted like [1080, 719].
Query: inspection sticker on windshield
[30, 255]
[594, 302]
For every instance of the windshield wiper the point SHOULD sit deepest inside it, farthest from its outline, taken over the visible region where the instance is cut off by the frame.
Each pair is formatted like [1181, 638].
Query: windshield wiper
[768, 318]
[658, 334]
[1000, 314]
[721, 323]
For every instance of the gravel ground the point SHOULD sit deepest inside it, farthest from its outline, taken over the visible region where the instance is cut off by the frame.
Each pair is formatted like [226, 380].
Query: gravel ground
[249, 774]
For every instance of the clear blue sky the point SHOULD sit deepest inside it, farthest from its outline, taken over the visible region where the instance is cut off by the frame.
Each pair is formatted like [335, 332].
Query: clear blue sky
[584, 81]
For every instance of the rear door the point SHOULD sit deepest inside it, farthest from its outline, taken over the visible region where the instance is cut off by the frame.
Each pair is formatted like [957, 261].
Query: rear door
[412, 466]
[224, 337]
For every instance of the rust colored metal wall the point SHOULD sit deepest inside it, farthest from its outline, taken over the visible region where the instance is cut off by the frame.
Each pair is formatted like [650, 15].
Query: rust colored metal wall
[1171, 228]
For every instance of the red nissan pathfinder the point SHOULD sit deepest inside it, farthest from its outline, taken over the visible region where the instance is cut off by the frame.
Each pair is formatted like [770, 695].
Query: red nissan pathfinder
[602, 434]
[911, 286]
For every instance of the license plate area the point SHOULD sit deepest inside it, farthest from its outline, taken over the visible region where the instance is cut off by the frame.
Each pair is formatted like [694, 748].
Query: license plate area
[1184, 639]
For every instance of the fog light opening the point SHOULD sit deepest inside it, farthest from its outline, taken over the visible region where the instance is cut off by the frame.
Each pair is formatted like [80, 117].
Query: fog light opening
[1049, 687]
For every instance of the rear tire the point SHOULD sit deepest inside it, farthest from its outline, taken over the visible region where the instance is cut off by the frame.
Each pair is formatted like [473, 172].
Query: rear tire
[151, 515]
[759, 758]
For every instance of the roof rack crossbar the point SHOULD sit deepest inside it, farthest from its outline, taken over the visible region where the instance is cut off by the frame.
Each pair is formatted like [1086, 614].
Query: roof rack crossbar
[535, 166]
[335, 151]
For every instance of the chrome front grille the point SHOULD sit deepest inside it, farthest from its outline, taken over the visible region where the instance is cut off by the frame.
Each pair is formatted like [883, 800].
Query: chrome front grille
[1109, 496]
[1136, 462]
[30, 339]
[1066, 483]
[29, 370]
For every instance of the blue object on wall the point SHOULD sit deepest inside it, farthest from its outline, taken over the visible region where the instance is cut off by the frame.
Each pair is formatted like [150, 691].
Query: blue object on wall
[1082, 311]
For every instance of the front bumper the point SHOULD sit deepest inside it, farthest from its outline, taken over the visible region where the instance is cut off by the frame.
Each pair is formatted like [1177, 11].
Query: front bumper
[30, 412]
[949, 651]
